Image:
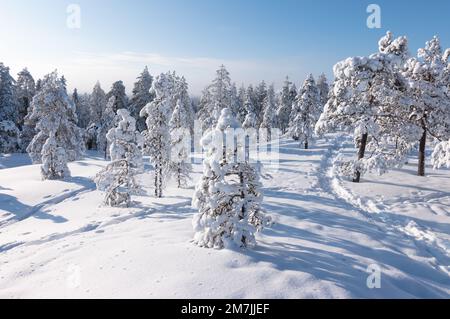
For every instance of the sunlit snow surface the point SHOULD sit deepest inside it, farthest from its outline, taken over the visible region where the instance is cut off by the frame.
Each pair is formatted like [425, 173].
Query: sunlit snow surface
[57, 240]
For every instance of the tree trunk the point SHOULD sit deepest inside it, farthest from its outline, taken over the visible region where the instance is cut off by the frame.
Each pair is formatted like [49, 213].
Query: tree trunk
[179, 175]
[306, 145]
[242, 182]
[361, 152]
[156, 180]
[160, 182]
[422, 145]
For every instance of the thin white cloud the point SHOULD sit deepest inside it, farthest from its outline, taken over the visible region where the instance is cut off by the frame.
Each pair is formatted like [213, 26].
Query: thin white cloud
[83, 69]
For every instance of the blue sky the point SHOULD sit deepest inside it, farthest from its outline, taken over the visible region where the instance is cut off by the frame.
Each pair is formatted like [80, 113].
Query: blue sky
[255, 39]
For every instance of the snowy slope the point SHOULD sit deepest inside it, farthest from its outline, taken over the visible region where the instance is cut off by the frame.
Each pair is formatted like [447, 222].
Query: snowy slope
[56, 240]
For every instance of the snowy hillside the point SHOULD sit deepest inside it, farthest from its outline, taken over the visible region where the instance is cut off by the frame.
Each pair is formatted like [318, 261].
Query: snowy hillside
[57, 240]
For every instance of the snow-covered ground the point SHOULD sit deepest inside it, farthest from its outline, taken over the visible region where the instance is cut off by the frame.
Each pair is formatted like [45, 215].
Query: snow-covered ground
[56, 240]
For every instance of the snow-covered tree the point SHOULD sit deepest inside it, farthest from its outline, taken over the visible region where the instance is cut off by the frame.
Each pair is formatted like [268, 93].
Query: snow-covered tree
[269, 116]
[8, 100]
[25, 90]
[107, 122]
[259, 99]
[118, 178]
[180, 144]
[428, 99]
[285, 101]
[9, 137]
[82, 110]
[141, 97]
[97, 103]
[305, 112]
[121, 99]
[54, 159]
[9, 115]
[250, 120]
[240, 115]
[228, 197]
[441, 155]
[181, 94]
[157, 134]
[54, 113]
[324, 89]
[235, 104]
[215, 97]
[367, 100]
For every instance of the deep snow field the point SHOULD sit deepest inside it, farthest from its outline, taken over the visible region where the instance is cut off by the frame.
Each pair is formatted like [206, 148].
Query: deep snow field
[57, 240]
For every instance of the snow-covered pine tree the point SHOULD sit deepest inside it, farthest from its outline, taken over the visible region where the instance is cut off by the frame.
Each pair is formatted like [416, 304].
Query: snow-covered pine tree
[25, 90]
[235, 104]
[269, 117]
[9, 115]
[366, 100]
[141, 97]
[54, 113]
[260, 97]
[108, 121]
[241, 97]
[118, 178]
[250, 120]
[204, 109]
[324, 89]
[81, 103]
[180, 161]
[97, 103]
[54, 159]
[121, 99]
[228, 197]
[8, 97]
[181, 93]
[9, 137]
[441, 155]
[214, 98]
[429, 104]
[305, 112]
[284, 108]
[157, 134]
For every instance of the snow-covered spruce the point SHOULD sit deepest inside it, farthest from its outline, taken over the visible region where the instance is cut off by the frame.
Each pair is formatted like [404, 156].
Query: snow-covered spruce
[9, 113]
[228, 197]
[82, 108]
[97, 106]
[120, 97]
[285, 100]
[157, 134]
[141, 97]
[118, 178]
[9, 137]
[269, 120]
[107, 122]
[214, 98]
[305, 112]
[8, 101]
[180, 160]
[54, 113]
[25, 90]
[54, 160]
[250, 120]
